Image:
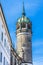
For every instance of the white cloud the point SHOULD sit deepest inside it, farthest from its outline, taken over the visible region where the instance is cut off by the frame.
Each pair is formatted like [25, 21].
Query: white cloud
[37, 47]
[38, 52]
[38, 63]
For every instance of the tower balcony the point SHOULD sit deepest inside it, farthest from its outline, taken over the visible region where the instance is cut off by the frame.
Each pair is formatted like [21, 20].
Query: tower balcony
[23, 30]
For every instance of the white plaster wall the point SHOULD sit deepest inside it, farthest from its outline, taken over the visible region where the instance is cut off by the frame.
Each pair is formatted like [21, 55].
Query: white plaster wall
[3, 49]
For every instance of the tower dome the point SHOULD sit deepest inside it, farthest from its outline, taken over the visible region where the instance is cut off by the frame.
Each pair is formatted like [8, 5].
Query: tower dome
[23, 18]
[23, 21]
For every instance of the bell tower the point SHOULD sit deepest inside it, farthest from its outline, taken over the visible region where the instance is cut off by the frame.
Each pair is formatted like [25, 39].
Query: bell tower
[24, 38]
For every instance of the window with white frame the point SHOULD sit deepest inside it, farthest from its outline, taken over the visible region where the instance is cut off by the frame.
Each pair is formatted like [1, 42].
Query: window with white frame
[5, 42]
[2, 36]
[4, 61]
[0, 56]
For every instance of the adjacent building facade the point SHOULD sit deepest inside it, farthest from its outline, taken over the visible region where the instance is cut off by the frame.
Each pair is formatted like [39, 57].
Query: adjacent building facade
[15, 59]
[5, 41]
[8, 55]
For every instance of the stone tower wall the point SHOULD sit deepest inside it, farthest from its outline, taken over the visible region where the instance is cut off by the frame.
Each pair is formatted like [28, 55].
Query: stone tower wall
[24, 46]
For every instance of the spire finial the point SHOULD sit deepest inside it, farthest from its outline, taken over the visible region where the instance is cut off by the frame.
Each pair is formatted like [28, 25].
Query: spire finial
[23, 11]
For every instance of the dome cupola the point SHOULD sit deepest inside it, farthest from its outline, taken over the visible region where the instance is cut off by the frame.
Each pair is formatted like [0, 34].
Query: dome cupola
[23, 22]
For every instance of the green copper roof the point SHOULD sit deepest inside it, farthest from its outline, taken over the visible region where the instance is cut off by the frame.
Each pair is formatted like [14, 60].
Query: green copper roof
[23, 18]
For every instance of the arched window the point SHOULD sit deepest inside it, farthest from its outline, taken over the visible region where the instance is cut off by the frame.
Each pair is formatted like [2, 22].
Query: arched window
[29, 26]
[23, 25]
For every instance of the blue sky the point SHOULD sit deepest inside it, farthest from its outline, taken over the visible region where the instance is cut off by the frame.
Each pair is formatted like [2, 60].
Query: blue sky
[34, 10]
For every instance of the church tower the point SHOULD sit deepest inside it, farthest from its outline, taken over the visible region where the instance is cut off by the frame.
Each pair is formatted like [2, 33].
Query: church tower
[24, 38]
